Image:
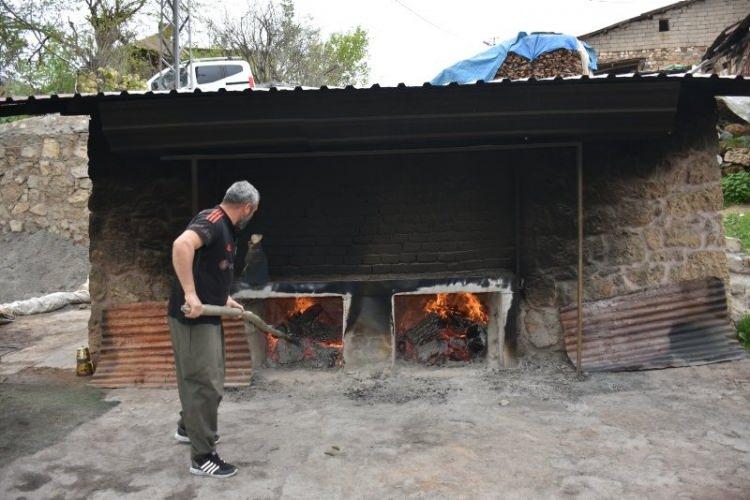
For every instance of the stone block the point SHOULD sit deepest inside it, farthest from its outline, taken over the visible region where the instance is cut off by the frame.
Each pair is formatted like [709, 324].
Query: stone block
[80, 171]
[733, 244]
[79, 196]
[29, 152]
[20, 208]
[16, 226]
[738, 129]
[682, 234]
[738, 156]
[39, 209]
[50, 148]
[626, 247]
[543, 327]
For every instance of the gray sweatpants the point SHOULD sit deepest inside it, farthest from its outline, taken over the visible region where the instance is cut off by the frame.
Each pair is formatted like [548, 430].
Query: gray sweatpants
[199, 362]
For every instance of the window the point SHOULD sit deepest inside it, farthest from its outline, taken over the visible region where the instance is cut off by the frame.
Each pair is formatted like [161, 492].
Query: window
[166, 81]
[232, 69]
[663, 24]
[208, 74]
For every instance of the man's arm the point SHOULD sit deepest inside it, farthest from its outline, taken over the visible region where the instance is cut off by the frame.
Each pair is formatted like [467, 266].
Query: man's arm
[183, 253]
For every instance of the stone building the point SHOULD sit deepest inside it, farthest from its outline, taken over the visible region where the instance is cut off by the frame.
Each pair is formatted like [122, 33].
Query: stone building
[369, 194]
[677, 34]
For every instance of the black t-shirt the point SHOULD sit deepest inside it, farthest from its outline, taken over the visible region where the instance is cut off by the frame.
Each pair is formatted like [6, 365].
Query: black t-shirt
[213, 265]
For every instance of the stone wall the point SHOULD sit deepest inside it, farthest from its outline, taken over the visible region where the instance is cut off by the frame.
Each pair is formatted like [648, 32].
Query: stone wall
[44, 182]
[651, 218]
[692, 28]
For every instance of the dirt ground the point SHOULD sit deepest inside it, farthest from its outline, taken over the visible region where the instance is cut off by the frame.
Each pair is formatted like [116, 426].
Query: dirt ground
[532, 432]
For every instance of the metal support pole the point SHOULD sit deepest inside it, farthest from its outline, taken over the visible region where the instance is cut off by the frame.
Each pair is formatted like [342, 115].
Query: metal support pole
[194, 183]
[176, 42]
[579, 329]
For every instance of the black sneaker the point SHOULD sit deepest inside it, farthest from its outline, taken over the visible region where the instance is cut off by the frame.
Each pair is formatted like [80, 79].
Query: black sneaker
[181, 436]
[212, 466]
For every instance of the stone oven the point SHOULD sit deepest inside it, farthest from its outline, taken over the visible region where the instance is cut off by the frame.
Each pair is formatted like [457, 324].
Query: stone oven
[415, 225]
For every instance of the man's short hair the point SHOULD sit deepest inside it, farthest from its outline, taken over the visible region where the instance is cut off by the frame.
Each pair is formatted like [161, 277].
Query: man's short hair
[242, 192]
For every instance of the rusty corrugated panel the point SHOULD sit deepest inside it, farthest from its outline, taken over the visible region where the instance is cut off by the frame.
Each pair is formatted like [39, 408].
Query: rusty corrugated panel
[136, 349]
[675, 325]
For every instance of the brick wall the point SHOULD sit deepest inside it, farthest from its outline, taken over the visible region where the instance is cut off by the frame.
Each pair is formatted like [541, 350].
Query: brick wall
[380, 215]
[691, 29]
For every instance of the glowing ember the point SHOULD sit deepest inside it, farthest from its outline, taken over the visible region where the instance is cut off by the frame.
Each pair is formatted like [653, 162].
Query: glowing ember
[316, 322]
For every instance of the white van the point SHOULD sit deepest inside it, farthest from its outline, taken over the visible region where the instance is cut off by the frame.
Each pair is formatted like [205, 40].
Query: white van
[207, 74]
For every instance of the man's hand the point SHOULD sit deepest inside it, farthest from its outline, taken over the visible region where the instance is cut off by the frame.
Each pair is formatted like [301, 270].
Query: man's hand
[233, 303]
[196, 306]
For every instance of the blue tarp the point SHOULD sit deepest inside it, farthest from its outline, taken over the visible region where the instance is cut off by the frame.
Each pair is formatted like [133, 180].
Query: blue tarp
[484, 66]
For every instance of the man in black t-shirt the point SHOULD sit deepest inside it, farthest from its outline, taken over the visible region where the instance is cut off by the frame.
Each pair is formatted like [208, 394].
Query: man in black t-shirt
[203, 258]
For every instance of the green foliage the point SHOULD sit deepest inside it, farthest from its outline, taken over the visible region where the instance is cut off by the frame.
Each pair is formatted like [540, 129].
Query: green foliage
[738, 226]
[282, 48]
[743, 331]
[736, 188]
[71, 45]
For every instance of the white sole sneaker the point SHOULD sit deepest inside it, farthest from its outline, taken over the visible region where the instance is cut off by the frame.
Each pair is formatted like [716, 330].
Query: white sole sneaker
[197, 472]
[181, 439]
[186, 440]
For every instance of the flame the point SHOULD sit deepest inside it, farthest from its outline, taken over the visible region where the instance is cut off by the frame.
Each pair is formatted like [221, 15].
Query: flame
[464, 304]
[302, 304]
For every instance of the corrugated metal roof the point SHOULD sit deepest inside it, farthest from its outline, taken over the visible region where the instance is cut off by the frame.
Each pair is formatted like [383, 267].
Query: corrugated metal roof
[320, 120]
[675, 325]
[136, 349]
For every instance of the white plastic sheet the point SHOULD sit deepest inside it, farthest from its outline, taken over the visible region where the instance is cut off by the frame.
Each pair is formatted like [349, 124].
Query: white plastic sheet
[46, 303]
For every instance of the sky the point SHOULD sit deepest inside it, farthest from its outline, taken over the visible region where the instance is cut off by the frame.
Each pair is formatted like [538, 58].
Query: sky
[411, 41]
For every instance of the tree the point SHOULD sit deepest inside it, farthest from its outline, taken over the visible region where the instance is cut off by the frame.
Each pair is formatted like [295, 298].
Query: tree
[90, 37]
[282, 48]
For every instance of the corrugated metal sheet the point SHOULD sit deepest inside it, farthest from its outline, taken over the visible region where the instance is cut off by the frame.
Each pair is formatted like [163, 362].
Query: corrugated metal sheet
[619, 106]
[136, 349]
[676, 325]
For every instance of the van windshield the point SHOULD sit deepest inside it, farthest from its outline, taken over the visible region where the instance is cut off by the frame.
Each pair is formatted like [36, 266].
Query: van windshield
[166, 81]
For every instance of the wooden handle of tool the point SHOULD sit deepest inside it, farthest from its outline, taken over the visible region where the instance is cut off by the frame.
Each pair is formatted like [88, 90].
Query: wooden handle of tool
[233, 312]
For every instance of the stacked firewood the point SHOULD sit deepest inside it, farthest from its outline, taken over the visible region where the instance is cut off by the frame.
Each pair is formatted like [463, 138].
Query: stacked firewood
[560, 62]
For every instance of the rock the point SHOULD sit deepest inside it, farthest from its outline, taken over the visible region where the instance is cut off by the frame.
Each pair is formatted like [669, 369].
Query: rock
[39, 209]
[50, 148]
[81, 195]
[733, 244]
[728, 168]
[29, 152]
[543, 327]
[504, 402]
[738, 263]
[80, 171]
[738, 156]
[16, 226]
[20, 208]
[33, 181]
[738, 129]
[85, 183]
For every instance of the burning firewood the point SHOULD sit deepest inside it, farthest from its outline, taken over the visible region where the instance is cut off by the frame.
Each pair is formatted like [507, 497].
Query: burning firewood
[441, 338]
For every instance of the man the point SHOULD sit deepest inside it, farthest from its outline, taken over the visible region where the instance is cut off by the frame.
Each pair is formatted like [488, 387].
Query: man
[203, 259]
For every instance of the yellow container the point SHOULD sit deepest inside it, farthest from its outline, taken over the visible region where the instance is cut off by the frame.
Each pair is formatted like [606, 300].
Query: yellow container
[84, 366]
